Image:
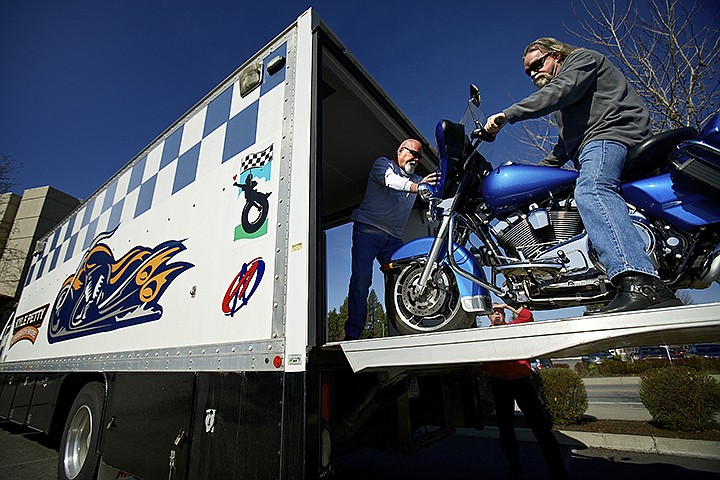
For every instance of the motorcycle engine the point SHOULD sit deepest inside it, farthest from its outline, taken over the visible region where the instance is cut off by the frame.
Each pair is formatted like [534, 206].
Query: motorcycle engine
[528, 235]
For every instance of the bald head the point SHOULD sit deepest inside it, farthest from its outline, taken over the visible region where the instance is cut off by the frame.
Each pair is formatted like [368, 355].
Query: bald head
[408, 154]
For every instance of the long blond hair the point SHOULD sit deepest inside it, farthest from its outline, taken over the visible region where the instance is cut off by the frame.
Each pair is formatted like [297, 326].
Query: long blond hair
[549, 45]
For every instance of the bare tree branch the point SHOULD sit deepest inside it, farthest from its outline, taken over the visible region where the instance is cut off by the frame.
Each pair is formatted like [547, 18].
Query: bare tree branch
[538, 135]
[669, 53]
[7, 169]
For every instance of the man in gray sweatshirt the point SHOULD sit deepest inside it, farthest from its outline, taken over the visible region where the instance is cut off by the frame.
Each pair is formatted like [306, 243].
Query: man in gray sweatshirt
[599, 117]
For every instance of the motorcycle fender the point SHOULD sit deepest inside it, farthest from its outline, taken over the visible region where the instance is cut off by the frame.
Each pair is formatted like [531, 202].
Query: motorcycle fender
[474, 297]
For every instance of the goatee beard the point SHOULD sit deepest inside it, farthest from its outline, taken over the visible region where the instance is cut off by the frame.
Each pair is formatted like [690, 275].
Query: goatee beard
[410, 168]
[541, 80]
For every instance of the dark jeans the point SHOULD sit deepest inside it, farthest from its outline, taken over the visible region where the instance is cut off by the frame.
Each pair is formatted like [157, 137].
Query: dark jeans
[368, 243]
[522, 391]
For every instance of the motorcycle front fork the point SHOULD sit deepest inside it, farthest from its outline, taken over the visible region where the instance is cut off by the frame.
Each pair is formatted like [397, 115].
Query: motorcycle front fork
[442, 236]
[434, 253]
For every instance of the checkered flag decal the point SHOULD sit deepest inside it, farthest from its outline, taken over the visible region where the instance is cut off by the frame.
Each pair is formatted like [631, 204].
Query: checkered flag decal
[255, 160]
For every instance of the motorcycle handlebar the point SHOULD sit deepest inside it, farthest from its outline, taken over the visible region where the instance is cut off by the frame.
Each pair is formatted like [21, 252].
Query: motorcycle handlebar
[483, 135]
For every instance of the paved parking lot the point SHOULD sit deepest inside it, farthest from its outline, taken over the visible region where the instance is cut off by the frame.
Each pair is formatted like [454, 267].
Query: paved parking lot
[26, 455]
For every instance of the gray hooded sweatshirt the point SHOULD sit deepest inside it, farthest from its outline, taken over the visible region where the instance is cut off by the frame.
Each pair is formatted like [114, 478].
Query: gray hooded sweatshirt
[592, 100]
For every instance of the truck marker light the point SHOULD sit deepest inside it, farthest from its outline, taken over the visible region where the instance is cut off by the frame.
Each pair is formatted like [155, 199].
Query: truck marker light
[274, 65]
[325, 402]
[277, 361]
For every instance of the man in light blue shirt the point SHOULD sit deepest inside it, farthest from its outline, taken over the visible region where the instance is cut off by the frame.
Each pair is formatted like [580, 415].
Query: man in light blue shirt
[379, 222]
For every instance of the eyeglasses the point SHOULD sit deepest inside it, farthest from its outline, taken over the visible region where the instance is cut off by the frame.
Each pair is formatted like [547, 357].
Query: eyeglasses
[414, 153]
[536, 65]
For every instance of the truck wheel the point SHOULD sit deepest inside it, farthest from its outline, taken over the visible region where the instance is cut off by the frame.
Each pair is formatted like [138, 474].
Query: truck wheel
[436, 309]
[78, 448]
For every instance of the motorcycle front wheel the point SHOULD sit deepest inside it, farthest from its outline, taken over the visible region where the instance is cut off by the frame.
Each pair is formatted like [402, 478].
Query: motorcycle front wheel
[435, 309]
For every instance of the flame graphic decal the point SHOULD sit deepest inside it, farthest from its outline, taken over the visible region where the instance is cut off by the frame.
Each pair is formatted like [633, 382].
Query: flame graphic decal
[105, 294]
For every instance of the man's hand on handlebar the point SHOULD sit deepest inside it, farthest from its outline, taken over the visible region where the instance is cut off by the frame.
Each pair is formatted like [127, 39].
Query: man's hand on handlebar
[432, 178]
[495, 123]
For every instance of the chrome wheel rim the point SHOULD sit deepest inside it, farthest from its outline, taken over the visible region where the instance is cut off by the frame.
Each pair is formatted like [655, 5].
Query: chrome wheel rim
[430, 310]
[78, 442]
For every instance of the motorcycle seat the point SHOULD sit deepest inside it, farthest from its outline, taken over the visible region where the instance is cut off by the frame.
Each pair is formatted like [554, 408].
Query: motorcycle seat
[653, 154]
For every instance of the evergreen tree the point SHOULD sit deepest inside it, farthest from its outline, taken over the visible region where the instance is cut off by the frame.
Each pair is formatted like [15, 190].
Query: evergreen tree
[376, 323]
[336, 323]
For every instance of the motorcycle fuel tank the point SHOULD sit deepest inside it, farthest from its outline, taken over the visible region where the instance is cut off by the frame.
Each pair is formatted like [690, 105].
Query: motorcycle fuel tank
[510, 187]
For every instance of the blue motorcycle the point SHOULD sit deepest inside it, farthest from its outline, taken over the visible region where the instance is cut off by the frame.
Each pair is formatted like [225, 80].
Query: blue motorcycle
[519, 226]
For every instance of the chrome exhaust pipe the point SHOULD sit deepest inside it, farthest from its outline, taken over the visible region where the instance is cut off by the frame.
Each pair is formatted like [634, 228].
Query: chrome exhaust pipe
[710, 270]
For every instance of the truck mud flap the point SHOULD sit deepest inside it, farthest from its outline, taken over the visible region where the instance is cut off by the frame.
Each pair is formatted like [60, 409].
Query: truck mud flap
[23, 396]
[552, 338]
[9, 387]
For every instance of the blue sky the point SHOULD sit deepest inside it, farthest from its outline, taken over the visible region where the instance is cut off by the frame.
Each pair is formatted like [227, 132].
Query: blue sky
[86, 85]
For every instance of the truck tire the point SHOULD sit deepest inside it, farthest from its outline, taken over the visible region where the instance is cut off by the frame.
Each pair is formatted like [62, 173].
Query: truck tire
[78, 459]
[437, 309]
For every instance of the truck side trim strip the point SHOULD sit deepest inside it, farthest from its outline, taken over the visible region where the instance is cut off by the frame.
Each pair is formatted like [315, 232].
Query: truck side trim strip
[249, 356]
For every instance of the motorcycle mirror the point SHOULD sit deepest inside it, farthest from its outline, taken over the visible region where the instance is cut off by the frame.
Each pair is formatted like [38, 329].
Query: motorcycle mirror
[475, 95]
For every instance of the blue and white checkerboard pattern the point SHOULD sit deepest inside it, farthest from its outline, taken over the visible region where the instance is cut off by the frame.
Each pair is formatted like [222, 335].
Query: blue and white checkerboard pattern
[228, 118]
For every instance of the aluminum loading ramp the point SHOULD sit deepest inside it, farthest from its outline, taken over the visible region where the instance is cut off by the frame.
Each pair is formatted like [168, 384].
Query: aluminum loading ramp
[550, 338]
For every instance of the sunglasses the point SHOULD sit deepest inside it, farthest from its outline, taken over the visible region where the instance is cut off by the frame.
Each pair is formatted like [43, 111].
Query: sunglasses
[536, 65]
[414, 153]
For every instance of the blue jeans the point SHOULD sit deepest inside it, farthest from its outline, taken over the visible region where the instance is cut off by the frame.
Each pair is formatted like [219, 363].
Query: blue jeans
[368, 243]
[604, 212]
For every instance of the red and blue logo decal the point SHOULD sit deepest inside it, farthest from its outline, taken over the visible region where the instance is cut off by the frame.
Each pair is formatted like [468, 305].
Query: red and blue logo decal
[243, 286]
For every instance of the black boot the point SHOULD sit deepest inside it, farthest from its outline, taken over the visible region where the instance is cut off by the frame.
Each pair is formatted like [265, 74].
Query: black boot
[638, 291]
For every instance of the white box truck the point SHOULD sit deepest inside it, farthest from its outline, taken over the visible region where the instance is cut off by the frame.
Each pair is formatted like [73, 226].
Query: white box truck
[173, 326]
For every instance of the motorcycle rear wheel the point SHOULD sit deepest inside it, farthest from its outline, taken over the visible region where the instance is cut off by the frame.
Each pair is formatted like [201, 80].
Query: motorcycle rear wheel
[436, 309]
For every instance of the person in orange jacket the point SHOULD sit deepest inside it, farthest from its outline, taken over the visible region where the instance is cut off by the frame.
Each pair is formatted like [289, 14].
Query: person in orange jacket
[511, 382]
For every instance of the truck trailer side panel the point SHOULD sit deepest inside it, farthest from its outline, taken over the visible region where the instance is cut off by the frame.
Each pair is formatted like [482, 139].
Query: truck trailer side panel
[180, 247]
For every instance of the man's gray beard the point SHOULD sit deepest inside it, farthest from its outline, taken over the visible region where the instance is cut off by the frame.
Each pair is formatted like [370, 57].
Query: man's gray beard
[541, 80]
[410, 168]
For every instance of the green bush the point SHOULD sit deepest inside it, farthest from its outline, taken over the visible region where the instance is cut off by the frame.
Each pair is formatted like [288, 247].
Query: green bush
[612, 368]
[641, 366]
[680, 398]
[708, 365]
[565, 395]
[581, 368]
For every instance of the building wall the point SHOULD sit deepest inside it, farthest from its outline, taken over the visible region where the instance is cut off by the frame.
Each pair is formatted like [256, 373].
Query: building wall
[9, 203]
[35, 214]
